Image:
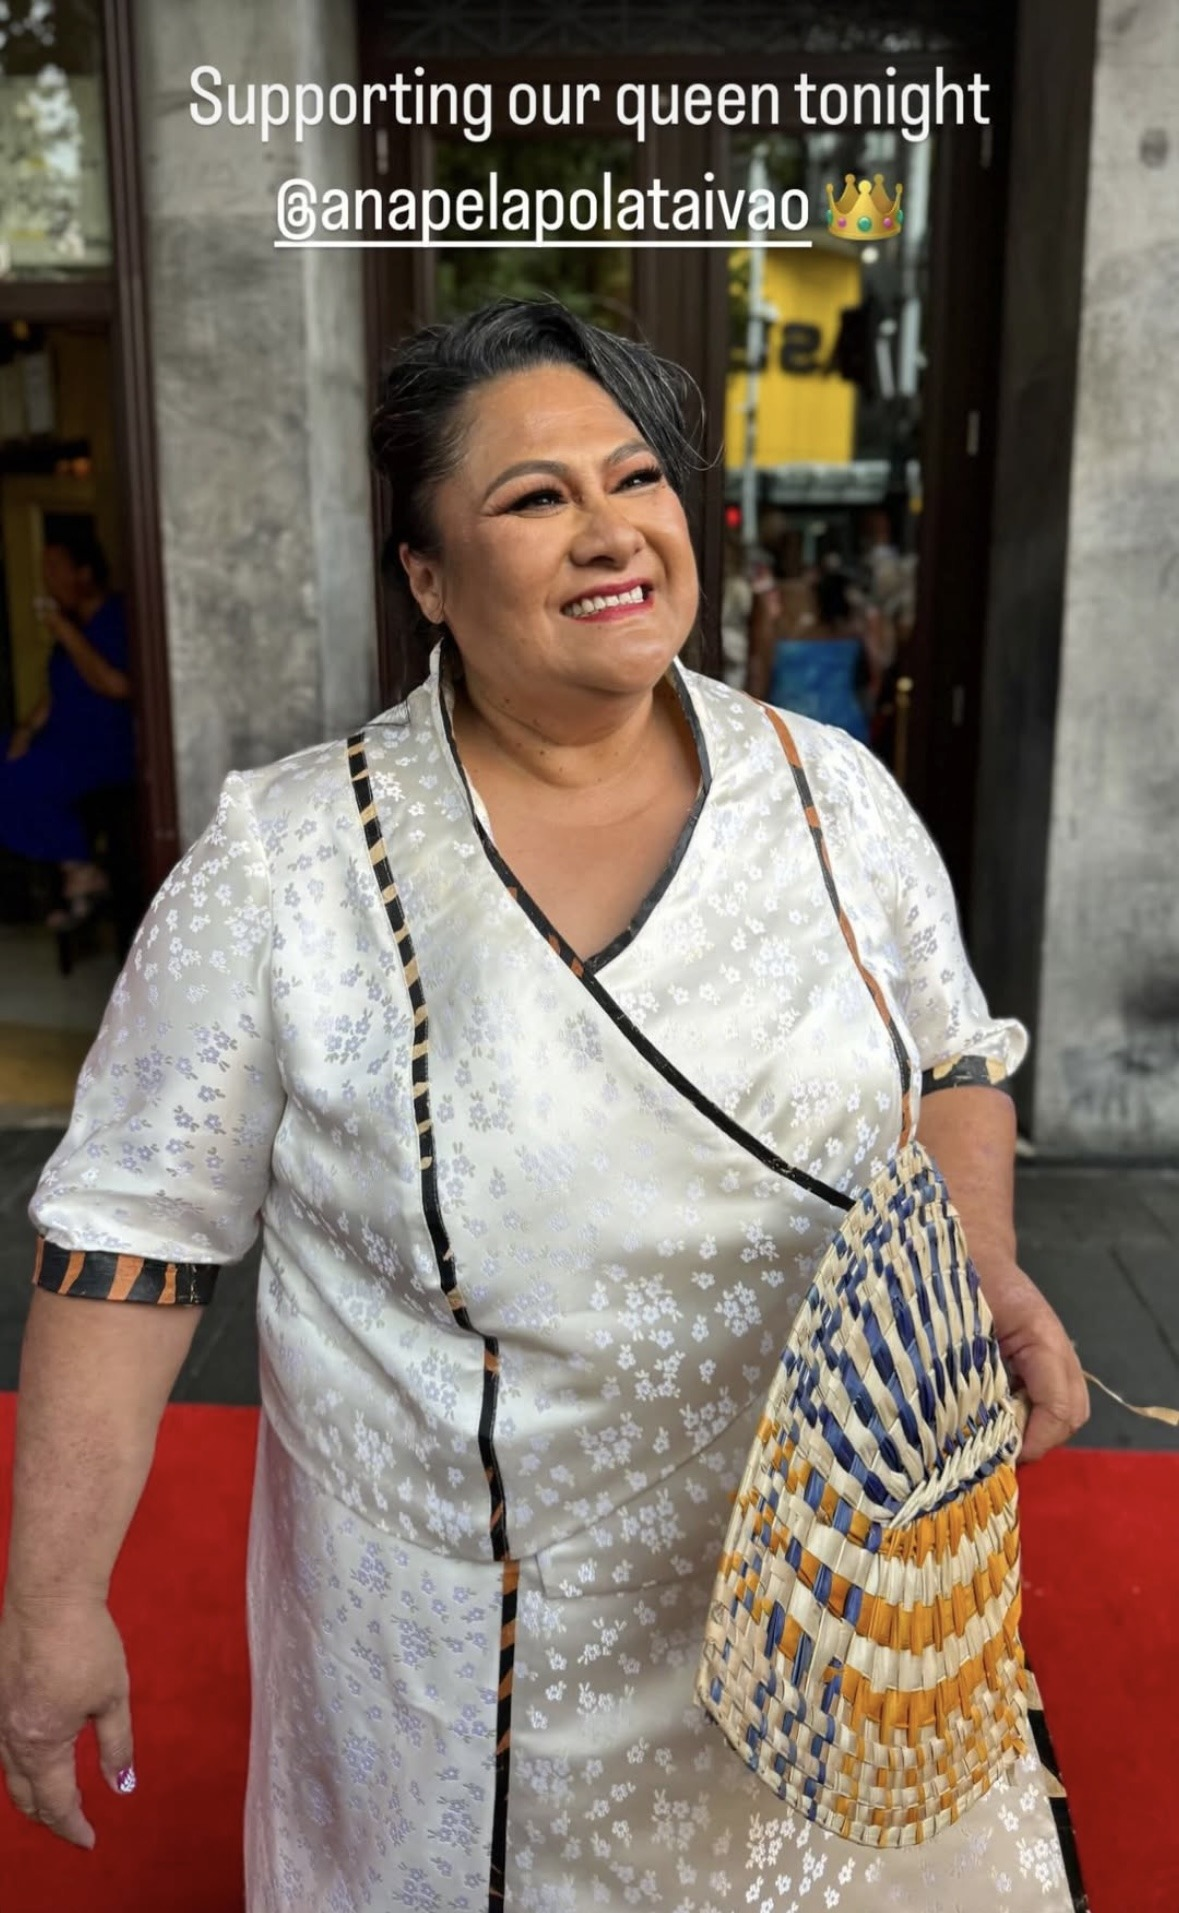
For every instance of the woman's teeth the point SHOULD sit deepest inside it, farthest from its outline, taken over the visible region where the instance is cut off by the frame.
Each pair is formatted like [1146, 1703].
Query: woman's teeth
[586, 607]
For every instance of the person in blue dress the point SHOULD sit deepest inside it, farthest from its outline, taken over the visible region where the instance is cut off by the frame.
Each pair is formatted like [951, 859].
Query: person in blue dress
[79, 738]
[820, 669]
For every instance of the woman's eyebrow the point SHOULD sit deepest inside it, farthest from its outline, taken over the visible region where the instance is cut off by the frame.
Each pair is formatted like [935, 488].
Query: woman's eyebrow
[554, 467]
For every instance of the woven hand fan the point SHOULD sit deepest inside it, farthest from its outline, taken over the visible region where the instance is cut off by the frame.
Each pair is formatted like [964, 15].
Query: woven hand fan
[862, 1652]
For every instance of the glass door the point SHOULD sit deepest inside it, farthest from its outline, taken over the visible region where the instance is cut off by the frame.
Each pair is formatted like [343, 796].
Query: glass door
[850, 426]
[596, 282]
[823, 435]
[54, 205]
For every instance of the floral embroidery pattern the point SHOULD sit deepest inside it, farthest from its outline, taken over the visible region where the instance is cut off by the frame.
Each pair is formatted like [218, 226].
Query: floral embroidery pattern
[636, 1266]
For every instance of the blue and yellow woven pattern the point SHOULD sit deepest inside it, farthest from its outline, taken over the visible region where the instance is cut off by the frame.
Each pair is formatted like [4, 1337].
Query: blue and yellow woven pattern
[863, 1650]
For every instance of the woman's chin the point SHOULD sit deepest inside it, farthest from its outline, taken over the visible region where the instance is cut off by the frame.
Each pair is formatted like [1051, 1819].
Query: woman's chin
[630, 654]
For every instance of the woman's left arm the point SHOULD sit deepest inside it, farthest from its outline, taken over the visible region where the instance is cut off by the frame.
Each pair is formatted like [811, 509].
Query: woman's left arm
[965, 1054]
[970, 1133]
[97, 671]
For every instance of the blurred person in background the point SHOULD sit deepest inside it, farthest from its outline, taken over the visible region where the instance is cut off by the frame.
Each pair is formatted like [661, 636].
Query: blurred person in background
[892, 617]
[79, 736]
[818, 666]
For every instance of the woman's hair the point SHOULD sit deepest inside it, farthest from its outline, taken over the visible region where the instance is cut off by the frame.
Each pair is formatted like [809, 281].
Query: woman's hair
[74, 533]
[420, 423]
[833, 598]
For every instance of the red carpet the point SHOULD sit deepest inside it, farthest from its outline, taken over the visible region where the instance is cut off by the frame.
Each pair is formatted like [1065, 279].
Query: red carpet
[1101, 1560]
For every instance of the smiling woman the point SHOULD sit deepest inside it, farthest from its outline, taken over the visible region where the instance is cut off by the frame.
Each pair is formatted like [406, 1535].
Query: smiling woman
[550, 1026]
[448, 438]
[556, 555]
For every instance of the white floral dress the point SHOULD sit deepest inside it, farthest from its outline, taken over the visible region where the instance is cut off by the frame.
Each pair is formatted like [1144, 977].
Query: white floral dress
[529, 1256]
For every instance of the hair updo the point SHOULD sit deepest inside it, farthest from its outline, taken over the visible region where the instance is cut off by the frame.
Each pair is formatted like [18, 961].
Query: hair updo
[419, 425]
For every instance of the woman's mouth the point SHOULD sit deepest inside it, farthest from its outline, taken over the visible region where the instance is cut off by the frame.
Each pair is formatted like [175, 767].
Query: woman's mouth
[620, 602]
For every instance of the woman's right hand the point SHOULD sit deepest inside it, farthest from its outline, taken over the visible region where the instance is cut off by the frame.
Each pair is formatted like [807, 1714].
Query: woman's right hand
[61, 1667]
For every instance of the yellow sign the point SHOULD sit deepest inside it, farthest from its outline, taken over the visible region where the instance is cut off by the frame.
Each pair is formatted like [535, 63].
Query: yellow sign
[801, 414]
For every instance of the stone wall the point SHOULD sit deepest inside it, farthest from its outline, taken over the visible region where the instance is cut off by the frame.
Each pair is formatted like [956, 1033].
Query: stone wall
[259, 373]
[1107, 1074]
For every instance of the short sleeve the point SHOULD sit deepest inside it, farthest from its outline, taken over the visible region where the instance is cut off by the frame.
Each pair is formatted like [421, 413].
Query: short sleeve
[918, 952]
[165, 1166]
[958, 1040]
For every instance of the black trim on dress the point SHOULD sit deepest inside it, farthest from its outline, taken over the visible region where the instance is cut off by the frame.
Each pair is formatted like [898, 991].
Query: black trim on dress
[967, 1072]
[585, 973]
[667, 875]
[444, 1256]
[1057, 1799]
[680, 848]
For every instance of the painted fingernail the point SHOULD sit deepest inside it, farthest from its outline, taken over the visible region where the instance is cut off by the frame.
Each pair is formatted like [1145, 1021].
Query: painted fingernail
[125, 1780]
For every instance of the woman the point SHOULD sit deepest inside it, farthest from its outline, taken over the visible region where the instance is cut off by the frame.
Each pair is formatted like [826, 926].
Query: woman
[819, 667]
[492, 1015]
[79, 736]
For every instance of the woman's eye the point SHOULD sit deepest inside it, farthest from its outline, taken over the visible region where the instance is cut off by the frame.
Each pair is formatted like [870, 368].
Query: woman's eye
[545, 495]
[648, 475]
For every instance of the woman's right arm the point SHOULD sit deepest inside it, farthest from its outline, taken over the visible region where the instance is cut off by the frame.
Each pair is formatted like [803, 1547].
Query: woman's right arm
[94, 1382]
[158, 1183]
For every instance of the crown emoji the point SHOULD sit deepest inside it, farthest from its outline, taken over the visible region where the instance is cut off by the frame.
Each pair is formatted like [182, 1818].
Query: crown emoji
[864, 211]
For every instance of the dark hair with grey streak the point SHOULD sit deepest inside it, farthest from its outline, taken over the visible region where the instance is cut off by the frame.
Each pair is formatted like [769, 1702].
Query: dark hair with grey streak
[420, 423]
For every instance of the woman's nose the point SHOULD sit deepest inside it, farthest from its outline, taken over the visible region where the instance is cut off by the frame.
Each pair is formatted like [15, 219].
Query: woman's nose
[606, 532]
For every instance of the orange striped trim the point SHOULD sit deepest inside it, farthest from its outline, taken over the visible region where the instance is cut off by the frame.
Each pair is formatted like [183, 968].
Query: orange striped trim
[74, 1268]
[127, 1272]
[103, 1275]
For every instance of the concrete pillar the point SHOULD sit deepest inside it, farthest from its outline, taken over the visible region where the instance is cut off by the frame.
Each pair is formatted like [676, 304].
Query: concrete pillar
[1107, 1071]
[259, 369]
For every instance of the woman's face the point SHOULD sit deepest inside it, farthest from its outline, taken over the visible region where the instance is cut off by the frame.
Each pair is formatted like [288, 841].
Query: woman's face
[564, 564]
[64, 580]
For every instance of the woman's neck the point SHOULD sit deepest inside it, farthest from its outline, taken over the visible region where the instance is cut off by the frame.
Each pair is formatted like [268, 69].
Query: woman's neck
[578, 745]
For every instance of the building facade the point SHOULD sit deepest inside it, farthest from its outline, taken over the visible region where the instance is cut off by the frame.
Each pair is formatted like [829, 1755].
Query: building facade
[1107, 1078]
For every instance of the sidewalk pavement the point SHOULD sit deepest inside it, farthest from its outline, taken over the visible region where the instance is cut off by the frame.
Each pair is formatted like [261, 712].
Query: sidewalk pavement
[1101, 1242]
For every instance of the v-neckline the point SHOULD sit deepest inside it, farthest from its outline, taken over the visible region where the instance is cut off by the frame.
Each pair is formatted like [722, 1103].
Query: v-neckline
[582, 966]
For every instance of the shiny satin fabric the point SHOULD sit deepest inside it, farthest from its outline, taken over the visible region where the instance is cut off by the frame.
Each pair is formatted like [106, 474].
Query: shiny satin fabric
[521, 1298]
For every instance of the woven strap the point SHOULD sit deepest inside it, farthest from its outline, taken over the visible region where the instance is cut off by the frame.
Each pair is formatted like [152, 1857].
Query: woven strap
[1169, 1416]
[802, 785]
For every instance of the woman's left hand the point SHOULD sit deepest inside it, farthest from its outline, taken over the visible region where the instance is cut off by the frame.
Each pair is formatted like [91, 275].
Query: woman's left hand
[970, 1132]
[1039, 1357]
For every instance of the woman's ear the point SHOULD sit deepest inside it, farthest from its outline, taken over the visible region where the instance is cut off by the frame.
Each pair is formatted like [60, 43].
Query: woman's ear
[425, 581]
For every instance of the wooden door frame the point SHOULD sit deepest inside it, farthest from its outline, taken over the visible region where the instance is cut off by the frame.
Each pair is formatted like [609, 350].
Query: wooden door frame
[959, 435]
[135, 425]
[1056, 53]
[118, 304]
